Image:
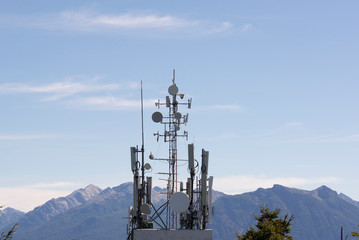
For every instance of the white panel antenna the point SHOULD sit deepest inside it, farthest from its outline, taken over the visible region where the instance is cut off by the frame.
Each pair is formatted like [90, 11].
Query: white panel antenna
[210, 208]
[130, 215]
[204, 170]
[205, 156]
[133, 159]
[190, 156]
[135, 192]
[149, 190]
[168, 101]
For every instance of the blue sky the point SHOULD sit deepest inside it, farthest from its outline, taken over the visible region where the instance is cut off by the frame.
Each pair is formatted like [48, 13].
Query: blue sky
[274, 87]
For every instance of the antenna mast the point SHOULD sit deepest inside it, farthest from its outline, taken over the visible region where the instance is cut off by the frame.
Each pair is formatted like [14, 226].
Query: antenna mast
[143, 142]
[172, 124]
[190, 206]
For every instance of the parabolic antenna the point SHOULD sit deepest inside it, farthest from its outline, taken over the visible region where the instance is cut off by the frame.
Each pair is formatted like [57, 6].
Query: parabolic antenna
[178, 115]
[173, 90]
[157, 117]
[147, 166]
[179, 202]
[145, 208]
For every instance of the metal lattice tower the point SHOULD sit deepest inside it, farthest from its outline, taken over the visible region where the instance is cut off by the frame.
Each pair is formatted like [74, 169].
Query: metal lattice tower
[172, 125]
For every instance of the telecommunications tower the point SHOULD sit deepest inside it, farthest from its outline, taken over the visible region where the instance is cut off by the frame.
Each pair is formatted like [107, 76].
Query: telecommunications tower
[188, 207]
[172, 125]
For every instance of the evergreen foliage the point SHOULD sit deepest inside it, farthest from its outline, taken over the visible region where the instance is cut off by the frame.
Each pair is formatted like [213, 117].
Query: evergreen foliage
[355, 234]
[269, 226]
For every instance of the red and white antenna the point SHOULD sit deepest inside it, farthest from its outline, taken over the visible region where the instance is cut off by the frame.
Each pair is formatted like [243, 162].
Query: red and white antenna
[172, 127]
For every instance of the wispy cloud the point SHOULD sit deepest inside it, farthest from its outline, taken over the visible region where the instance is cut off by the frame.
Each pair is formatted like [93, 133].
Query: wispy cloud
[74, 93]
[85, 20]
[282, 130]
[61, 89]
[25, 198]
[222, 137]
[247, 28]
[291, 132]
[286, 126]
[328, 139]
[292, 124]
[224, 107]
[53, 185]
[108, 103]
[240, 184]
[25, 137]
[134, 22]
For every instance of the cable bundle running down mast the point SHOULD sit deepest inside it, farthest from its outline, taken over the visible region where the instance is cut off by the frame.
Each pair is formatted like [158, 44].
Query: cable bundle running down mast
[191, 206]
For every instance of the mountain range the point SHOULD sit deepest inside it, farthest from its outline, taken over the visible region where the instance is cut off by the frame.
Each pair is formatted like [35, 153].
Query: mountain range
[93, 213]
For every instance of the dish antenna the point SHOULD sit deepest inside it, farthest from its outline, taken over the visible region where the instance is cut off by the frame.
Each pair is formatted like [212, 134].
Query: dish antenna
[179, 202]
[157, 117]
[173, 90]
[178, 115]
[147, 166]
[145, 208]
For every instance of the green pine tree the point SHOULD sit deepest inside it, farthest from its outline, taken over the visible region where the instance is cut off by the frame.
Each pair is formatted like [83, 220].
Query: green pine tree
[269, 226]
[355, 234]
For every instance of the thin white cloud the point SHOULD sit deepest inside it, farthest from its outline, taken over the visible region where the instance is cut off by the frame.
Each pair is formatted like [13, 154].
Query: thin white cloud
[222, 137]
[224, 107]
[86, 20]
[25, 198]
[247, 28]
[293, 124]
[283, 129]
[108, 103]
[52, 185]
[140, 23]
[73, 93]
[135, 22]
[63, 89]
[25, 137]
[219, 28]
[328, 139]
[240, 184]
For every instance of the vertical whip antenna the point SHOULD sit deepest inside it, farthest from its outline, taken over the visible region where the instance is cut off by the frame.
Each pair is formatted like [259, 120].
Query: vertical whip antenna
[143, 134]
[143, 140]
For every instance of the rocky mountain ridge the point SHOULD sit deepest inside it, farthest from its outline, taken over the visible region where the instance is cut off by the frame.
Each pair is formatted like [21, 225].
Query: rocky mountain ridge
[10, 216]
[93, 213]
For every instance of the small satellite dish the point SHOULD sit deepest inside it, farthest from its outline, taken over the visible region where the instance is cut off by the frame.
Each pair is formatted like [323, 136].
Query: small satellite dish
[178, 115]
[145, 208]
[179, 202]
[157, 117]
[147, 166]
[173, 90]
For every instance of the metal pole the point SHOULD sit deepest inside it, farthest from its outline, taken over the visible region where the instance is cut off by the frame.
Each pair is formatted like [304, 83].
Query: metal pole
[143, 147]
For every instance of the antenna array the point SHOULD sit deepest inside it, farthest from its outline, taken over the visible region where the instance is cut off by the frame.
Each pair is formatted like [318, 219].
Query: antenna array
[172, 125]
[191, 209]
